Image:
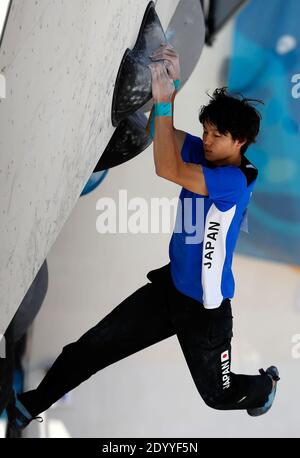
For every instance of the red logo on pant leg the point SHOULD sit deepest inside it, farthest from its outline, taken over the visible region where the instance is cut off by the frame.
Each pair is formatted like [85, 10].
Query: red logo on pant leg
[224, 356]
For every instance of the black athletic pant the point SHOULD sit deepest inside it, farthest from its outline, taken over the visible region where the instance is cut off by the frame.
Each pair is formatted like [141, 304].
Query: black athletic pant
[155, 312]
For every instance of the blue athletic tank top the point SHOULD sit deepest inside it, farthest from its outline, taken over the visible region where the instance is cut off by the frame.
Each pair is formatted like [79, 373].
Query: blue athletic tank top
[207, 227]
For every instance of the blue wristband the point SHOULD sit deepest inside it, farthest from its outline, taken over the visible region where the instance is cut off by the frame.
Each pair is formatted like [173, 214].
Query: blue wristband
[160, 109]
[163, 109]
[177, 84]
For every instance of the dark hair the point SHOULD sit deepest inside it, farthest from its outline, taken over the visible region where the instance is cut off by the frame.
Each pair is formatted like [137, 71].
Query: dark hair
[232, 114]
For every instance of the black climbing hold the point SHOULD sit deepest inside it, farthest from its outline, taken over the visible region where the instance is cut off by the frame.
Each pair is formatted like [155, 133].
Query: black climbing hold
[133, 84]
[128, 140]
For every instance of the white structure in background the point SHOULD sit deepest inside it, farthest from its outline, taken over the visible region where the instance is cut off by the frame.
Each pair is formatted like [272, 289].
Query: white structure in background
[2, 87]
[3, 10]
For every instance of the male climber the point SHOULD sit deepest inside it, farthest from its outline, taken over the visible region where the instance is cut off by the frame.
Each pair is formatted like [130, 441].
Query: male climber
[191, 295]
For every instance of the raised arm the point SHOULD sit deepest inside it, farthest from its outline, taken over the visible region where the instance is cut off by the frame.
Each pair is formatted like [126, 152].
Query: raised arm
[170, 57]
[167, 146]
[178, 134]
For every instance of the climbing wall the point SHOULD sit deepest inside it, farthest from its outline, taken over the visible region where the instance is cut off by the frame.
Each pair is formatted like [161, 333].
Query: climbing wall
[60, 60]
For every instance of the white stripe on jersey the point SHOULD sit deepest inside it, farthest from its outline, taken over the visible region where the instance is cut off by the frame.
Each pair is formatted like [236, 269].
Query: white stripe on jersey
[214, 254]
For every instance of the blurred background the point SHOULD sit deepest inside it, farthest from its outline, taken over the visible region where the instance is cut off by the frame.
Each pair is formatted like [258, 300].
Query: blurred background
[253, 48]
